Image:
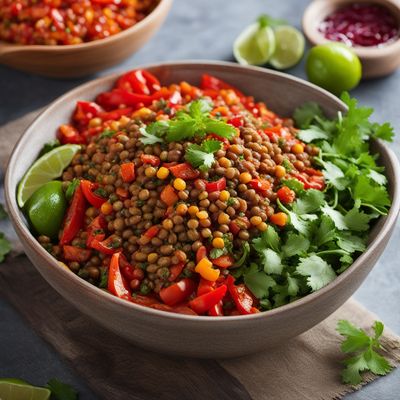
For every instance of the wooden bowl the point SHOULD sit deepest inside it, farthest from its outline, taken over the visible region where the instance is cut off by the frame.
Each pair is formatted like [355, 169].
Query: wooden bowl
[205, 337]
[78, 60]
[376, 61]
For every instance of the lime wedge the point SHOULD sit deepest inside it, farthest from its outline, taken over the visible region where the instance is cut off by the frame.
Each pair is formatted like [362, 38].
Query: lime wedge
[255, 45]
[16, 391]
[48, 167]
[289, 47]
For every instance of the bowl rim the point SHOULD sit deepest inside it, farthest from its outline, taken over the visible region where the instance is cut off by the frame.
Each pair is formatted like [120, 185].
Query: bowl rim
[366, 52]
[162, 5]
[22, 229]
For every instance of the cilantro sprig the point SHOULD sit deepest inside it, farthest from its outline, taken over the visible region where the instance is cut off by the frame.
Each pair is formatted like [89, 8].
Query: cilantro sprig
[364, 350]
[194, 121]
[202, 156]
[327, 229]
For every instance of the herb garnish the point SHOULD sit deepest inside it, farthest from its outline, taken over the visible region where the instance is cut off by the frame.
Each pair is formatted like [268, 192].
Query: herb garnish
[202, 156]
[364, 349]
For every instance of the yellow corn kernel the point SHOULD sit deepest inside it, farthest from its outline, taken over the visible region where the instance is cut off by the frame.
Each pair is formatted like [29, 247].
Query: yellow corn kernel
[245, 177]
[202, 214]
[123, 121]
[218, 243]
[95, 122]
[193, 210]
[297, 148]
[262, 227]
[114, 125]
[255, 220]
[179, 184]
[280, 171]
[223, 218]
[142, 113]
[224, 195]
[206, 271]
[225, 162]
[162, 173]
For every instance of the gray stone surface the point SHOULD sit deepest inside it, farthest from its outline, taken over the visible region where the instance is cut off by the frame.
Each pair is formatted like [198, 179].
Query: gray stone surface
[198, 30]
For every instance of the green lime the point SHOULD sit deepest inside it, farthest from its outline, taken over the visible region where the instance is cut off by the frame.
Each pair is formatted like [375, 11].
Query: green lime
[50, 166]
[289, 47]
[255, 45]
[17, 391]
[334, 67]
[45, 209]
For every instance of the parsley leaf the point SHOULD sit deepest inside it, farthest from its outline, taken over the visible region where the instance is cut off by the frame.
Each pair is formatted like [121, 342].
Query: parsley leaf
[259, 283]
[272, 261]
[312, 133]
[108, 133]
[304, 115]
[364, 347]
[62, 391]
[337, 217]
[154, 132]
[202, 156]
[370, 193]
[309, 201]
[295, 245]
[357, 220]
[334, 175]
[319, 273]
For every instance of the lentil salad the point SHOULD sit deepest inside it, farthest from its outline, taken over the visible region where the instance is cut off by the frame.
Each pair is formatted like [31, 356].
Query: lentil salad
[177, 189]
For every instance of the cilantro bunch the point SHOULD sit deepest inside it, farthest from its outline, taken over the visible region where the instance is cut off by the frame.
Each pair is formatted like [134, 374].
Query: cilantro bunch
[327, 229]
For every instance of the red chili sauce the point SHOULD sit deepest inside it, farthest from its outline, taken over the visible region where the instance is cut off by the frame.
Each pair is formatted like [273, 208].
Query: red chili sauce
[361, 25]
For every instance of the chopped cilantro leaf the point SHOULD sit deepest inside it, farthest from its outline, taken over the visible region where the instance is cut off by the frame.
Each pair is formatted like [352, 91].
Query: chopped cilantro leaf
[202, 156]
[108, 133]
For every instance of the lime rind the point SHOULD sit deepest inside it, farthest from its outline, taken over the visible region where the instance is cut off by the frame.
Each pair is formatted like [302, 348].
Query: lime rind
[48, 167]
[289, 50]
[18, 391]
[255, 45]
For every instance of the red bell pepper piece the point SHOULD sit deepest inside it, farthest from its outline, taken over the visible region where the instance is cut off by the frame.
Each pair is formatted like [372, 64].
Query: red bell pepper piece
[106, 246]
[116, 282]
[177, 292]
[211, 82]
[223, 261]
[201, 253]
[169, 196]
[115, 114]
[117, 97]
[128, 172]
[216, 311]
[184, 171]
[139, 81]
[234, 228]
[67, 134]
[152, 231]
[240, 295]
[73, 253]
[95, 230]
[175, 271]
[75, 217]
[85, 111]
[88, 189]
[150, 159]
[205, 286]
[260, 185]
[146, 301]
[205, 302]
[216, 186]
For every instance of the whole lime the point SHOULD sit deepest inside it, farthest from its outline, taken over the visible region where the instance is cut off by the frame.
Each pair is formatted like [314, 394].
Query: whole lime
[334, 67]
[45, 209]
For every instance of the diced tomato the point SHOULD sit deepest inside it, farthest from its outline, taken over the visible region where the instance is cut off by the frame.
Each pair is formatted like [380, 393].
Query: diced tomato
[117, 97]
[310, 182]
[184, 171]
[67, 134]
[85, 111]
[116, 282]
[215, 186]
[237, 121]
[175, 271]
[201, 253]
[73, 253]
[150, 159]
[205, 286]
[128, 172]
[234, 228]
[152, 231]
[213, 83]
[241, 296]
[177, 292]
[205, 302]
[95, 230]
[75, 217]
[88, 189]
[216, 311]
[286, 195]
[169, 196]
[225, 261]
[115, 114]
[260, 185]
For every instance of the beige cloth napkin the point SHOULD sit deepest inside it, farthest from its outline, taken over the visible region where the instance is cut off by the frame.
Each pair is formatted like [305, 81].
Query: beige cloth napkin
[306, 368]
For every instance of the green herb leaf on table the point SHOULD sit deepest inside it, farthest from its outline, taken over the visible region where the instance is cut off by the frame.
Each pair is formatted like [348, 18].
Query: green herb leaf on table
[365, 349]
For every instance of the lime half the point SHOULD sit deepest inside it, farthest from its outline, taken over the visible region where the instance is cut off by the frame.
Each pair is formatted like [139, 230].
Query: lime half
[48, 167]
[255, 45]
[17, 391]
[289, 47]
